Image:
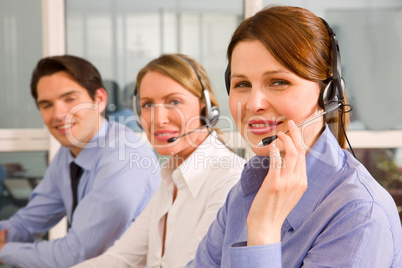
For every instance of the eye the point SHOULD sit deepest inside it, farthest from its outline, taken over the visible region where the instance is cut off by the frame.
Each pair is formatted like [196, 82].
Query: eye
[146, 105]
[280, 83]
[45, 106]
[70, 99]
[174, 102]
[242, 84]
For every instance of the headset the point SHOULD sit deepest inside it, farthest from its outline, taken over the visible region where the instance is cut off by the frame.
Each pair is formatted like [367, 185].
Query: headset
[334, 92]
[332, 98]
[209, 115]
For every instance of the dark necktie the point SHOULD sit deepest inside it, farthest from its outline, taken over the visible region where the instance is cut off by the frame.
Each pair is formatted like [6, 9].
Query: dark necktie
[75, 174]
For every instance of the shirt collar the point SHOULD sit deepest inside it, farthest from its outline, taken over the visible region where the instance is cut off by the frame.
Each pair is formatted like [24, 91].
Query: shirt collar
[85, 158]
[194, 170]
[323, 161]
[254, 173]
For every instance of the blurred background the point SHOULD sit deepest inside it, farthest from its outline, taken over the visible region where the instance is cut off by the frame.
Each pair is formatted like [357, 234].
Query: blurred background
[121, 36]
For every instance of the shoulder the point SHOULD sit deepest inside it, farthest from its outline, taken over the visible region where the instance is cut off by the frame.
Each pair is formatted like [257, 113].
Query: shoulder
[61, 159]
[360, 184]
[123, 135]
[221, 161]
[125, 144]
[120, 153]
[224, 155]
[217, 166]
[355, 189]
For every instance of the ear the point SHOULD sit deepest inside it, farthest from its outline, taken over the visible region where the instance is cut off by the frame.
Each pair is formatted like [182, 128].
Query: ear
[101, 99]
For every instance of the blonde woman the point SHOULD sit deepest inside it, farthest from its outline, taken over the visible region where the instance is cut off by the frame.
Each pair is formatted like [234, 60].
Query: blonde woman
[175, 98]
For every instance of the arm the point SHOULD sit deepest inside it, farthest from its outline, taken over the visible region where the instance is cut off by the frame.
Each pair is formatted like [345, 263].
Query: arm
[100, 217]
[282, 188]
[357, 236]
[130, 250]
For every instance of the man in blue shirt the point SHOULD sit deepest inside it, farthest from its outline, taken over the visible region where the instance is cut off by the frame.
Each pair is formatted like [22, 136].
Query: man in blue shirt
[112, 189]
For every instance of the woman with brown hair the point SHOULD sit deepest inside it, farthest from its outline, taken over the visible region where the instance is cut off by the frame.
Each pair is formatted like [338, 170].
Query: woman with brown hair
[303, 200]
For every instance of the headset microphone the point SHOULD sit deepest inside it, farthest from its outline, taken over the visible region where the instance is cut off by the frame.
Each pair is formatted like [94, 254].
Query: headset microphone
[185, 134]
[268, 140]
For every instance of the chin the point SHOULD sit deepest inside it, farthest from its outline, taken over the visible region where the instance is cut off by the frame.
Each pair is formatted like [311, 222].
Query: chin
[165, 151]
[261, 151]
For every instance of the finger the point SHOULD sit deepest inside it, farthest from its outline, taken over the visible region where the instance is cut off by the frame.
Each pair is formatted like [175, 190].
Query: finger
[297, 139]
[296, 136]
[290, 152]
[275, 161]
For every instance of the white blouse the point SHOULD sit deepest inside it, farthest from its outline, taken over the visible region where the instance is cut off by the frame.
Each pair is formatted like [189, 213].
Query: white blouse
[203, 181]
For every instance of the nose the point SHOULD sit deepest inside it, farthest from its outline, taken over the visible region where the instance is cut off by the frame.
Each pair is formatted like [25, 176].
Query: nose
[257, 101]
[59, 111]
[160, 115]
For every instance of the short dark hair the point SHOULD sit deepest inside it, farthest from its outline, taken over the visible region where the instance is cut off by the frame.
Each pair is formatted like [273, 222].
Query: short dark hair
[81, 70]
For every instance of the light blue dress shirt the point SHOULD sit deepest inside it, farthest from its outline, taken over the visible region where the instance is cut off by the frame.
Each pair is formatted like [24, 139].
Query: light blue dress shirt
[344, 219]
[120, 175]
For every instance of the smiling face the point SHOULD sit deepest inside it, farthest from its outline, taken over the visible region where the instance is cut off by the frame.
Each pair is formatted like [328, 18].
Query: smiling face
[169, 110]
[68, 111]
[264, 95]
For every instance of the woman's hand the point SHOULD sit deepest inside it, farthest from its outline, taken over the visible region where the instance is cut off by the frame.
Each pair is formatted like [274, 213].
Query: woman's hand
[282, 188]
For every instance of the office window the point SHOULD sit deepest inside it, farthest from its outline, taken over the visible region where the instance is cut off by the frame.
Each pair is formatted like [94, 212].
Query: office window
[20, 172]
[20, 49]
[120, 37]
[385, 164]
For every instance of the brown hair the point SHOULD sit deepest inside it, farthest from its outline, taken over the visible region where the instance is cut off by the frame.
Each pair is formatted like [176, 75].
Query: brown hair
[81, 70]
[299, 41]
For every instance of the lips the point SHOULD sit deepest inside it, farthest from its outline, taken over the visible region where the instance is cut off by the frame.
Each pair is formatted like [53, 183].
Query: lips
[164, 135]
[64, 128]
[262, 127]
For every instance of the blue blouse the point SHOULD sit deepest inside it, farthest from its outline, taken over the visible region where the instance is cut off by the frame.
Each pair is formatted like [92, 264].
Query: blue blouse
[344, 219]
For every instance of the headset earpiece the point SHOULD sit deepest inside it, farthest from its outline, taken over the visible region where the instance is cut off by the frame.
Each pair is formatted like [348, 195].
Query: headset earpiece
[333, 94]
[227, 78]
[210, 113]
